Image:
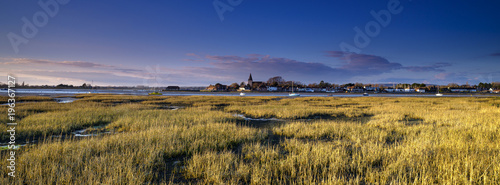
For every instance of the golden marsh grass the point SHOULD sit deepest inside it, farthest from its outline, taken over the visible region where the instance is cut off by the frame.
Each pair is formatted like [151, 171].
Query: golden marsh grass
[320, 140]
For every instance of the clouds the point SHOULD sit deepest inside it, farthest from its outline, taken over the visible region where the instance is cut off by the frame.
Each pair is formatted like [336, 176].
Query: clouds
[268, 64]
[41, 71]
[495, 54]
[444, 76]
[78, 64]
[227, 69]
[352, 66]
[358, 64]
[377, 64]
[436, 67]
[27, 61]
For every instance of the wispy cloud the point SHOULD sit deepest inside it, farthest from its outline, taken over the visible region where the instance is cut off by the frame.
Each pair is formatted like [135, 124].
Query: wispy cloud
[268, 64]
[435, 67]
[377, 64]
[364, 64]
[497, 54]
[228, 69]
[357, 65]
[195, 58]
[80, 64]
[443, 76]
[49, 62]
[70, 71]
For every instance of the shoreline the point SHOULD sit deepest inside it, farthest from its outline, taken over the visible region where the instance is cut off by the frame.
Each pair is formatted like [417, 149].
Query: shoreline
[59, 94]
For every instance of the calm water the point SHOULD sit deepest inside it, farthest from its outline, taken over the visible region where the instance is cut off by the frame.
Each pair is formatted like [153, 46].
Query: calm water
[53, 92]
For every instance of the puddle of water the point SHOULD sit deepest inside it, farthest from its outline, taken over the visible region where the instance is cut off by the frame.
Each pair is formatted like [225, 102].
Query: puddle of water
[65, 100]
[174, 107]
[256, 119]
[81, 133]
[6, 147]
[171, 107]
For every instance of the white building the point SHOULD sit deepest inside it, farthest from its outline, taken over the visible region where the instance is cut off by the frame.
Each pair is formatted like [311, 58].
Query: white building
[272, 88]
[409, 90]
[370, 88]
[463, 89]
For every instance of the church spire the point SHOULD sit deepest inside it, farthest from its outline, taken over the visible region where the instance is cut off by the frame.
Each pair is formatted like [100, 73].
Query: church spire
[250, 80]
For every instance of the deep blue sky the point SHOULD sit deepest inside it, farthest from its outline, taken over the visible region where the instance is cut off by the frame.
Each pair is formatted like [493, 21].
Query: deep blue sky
[186, 43]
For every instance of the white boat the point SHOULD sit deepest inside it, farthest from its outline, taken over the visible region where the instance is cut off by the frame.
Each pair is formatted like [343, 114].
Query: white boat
[293, 94]
[439, 94]
[365, 94]
[92, 88]
[242, 94]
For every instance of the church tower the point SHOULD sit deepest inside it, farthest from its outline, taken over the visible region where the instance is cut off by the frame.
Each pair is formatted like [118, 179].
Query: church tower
[250, 80]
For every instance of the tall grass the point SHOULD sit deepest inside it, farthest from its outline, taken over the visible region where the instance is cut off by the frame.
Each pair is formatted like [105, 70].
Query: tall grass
[321, 141]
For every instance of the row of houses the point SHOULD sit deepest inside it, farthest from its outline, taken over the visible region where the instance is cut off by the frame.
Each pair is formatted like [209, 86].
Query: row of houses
[422, 90]
[353, 89]
[261, 86]
[407, 90]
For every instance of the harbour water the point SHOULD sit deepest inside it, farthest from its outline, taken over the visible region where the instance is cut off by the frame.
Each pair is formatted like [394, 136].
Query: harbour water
[65, 92]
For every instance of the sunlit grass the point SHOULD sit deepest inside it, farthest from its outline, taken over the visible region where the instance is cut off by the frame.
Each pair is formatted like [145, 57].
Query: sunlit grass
[326, 140]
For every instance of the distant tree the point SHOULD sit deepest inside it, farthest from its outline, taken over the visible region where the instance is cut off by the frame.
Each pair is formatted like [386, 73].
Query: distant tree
[322, 84]
[275, 81]
[484, 85]
[452, 85]
[234, 86]
[327, 85]
[286, 84]
[334, 85]
[242, 84]
[84, 85]
[347, 85]
[255, 85]
[402, 86]
[64, 86]
[313, 85]
[298, 84]
[417, 85]
[495, 85]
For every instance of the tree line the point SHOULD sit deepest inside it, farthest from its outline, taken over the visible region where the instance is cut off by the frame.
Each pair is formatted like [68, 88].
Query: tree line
[280, 82]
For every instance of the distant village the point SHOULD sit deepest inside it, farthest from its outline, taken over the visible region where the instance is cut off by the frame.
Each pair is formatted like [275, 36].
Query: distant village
[278, 84]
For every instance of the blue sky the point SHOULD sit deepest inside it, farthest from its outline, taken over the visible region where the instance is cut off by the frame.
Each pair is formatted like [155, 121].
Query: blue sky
[186, 43]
